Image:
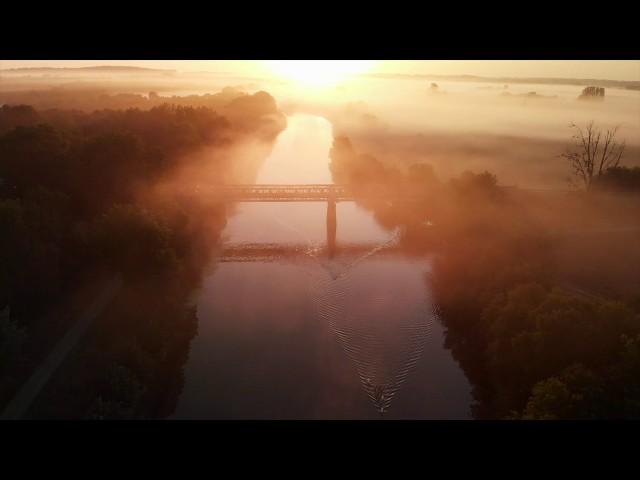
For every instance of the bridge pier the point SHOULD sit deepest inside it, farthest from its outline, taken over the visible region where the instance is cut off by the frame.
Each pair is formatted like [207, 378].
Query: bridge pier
[332, 225]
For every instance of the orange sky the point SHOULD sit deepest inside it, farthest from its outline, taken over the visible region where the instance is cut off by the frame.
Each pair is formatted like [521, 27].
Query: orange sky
[602, 69]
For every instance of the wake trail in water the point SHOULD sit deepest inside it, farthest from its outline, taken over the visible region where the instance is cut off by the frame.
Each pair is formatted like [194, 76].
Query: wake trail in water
[383, 348]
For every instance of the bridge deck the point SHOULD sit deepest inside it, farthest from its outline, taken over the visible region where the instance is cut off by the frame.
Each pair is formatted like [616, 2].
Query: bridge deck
[282, 193]
[305, 193]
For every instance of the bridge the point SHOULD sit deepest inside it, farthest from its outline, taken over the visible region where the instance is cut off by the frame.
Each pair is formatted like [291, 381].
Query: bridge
[282, 193]
[329, 193]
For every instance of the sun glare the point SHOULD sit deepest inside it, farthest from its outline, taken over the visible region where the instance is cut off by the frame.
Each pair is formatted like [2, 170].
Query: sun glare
[318, 73]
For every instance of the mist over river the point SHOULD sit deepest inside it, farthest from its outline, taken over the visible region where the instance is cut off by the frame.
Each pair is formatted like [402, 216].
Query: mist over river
[287, 330]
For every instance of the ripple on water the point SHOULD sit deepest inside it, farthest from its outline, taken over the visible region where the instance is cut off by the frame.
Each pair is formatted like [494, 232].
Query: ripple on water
[383, 334]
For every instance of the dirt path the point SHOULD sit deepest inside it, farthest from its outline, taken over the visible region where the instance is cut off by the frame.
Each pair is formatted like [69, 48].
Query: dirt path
[32, 387]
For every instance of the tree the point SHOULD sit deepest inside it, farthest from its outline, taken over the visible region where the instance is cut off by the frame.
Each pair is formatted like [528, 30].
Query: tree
[591, 155]
[576, 393]
[33, 156]
[476, 185]
[132, 241]
[622, 179]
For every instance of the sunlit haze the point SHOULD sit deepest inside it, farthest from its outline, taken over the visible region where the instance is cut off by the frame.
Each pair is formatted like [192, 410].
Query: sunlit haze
[318, 72]
[319, 239]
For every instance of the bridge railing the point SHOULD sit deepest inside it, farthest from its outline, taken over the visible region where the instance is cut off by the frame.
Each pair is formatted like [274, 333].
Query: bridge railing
[313, 192]
[279, 192]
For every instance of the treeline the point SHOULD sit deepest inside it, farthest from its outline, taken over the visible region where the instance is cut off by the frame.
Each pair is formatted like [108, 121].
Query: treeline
[619, 179]
[532, 344]
[89, 100]
[77, 199]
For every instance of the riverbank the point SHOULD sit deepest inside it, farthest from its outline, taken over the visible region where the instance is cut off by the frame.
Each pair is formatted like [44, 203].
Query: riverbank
[531, 347]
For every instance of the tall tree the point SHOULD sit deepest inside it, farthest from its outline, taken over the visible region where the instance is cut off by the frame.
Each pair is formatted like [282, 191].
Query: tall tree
[591, 154]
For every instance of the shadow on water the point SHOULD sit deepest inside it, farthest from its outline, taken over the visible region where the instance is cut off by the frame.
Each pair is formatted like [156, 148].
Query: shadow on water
[331, 228]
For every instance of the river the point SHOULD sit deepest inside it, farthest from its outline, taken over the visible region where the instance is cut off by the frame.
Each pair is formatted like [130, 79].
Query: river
[287, 330]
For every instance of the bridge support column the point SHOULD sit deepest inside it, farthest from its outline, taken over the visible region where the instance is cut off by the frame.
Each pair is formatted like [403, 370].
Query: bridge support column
[332, 225]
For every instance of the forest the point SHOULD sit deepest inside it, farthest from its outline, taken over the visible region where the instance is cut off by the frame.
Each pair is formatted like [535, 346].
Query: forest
[539, 292]
[85, 195]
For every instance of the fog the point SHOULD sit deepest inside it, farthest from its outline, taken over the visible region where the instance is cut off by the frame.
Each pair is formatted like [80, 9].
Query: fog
[516, 130]
[109, 169]
[472, 125]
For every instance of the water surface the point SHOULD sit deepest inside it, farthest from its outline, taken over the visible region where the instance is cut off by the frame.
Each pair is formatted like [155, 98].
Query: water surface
[287, 331]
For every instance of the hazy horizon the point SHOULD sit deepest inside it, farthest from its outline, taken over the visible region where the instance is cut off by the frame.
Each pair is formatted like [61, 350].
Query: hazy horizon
[621, 70]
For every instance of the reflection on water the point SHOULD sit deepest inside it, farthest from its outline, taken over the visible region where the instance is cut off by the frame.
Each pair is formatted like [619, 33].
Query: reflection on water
[312, 311]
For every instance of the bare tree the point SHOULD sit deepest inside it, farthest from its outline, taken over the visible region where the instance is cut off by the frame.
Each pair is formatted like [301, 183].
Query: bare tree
[591, 155]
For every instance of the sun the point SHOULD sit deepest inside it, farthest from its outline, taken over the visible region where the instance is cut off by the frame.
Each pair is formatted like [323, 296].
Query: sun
[318, 73]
